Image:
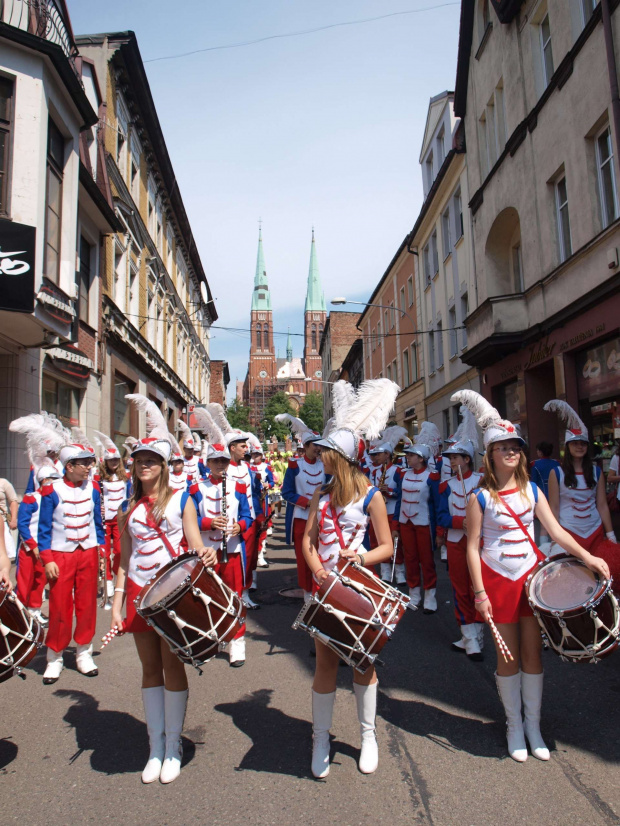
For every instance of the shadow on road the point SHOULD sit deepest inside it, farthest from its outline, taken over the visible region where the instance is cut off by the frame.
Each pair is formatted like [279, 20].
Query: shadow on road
[118, 742]
[8, 752]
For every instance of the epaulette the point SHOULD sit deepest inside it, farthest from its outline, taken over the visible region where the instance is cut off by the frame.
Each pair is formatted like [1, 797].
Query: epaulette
[46, 490]
[434, 476]
[193, 489]
[241, 488]
[29, 498]
[443, 487]
[292, 463]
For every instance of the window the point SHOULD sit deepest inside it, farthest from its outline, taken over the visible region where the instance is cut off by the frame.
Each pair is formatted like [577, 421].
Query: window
[392, 315]
[431, 350]
[402, 299]
[259, 339]
[134, 291]
[452, 331]
[441, 147]
[386, 321]
[53, 200]
[445, 231]
[561, 207]
[120, 277]
[587, 9]
[517, 268]
[429, 171]
[446, 422]
[265, 337]
[464, 314]
[500, 117]
[169, 237]
[406, 381]
[160, 325]
[547, 54]
[62, 400]
[84, 279]
[606, 177]
[158, 227]
[426, 255]
[389, 371]
[6, 123]
[122, 409]
[151, 313]
[313, 338]
[410, 290]
[439, 344]
[458, 211]
[378, 332]
[151, 207]
[373, 339]
[395, 370]
[414, 362]
[434, 253]
[122, 128]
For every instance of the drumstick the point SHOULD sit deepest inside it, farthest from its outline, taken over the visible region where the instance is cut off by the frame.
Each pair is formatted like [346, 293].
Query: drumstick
[500, 641]
[107, 638]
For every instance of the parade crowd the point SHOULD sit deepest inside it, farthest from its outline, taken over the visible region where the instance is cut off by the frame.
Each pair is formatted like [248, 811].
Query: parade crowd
[365, 506]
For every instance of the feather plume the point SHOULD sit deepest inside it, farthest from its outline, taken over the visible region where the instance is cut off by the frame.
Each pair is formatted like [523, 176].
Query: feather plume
[429, 435]
[78, 437]
[393, 435]
[467, 431]
[104, 440]
[156, 427]
[219, 417]
[343, 396]
[130, 443]
[197, 441]
[368, 413]
[486, 415]
[208, 426]
[40, 438]
[174, 444]
[55, 424]
[565, 412]
[299, 427]
[184, 430]
[329, 426]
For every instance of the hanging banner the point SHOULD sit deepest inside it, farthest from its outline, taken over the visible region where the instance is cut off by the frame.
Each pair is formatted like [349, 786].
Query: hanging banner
[17, 254]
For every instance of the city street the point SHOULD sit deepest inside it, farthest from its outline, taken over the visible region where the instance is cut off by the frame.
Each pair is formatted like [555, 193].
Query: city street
[73, 752]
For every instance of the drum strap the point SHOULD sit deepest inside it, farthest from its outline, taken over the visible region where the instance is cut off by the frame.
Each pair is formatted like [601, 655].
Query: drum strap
[152, 524]
[522, 526]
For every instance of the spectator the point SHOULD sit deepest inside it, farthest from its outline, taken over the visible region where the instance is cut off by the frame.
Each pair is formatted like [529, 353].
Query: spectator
[542, 466]
[8, 511]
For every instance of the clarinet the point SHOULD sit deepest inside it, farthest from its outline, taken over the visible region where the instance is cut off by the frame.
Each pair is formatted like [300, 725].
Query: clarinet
[224, 547]
[382, 481]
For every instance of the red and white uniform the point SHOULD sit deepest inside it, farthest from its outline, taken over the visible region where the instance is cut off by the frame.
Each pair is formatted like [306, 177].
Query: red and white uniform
[413, 514]
[301, 479]
[341, 528]
[178, 481]
[190, 466]
[113, 494]
[392, 474]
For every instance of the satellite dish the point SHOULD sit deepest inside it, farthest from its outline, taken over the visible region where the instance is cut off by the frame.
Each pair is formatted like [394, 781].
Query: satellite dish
[203, 292]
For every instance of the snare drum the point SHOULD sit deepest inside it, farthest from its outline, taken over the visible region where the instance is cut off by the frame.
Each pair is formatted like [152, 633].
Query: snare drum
[354, 613]
[191, 608]
[576, 609]
[21, 635]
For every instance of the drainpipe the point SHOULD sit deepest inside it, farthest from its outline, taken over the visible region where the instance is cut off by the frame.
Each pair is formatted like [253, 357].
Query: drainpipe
[611, 68]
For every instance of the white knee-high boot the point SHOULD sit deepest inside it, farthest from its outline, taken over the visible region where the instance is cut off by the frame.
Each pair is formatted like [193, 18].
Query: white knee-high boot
[175, 703]
[153, 700]
[366, 699]
[509, 689]
[322, 712]
[531, 691]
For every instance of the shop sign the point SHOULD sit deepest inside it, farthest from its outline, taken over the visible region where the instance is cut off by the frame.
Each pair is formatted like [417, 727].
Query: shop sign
[17, 257]
[56, 304]
[70, 361]
[598, 371]
[547, 348]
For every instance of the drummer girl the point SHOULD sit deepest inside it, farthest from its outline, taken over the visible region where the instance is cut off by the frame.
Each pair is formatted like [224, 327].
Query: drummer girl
[577, 493]
[501, 553]
[152, 524]
[339, 514]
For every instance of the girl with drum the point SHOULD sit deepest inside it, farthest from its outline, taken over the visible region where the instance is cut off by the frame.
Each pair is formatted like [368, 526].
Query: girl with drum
[339, 513]
[501, 553]
[577, 493]
[153, 523]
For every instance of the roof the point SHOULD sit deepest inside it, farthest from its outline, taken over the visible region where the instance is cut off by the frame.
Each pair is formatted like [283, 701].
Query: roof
[261, 298]
[435, 109]
[315, 300]
[466, 33]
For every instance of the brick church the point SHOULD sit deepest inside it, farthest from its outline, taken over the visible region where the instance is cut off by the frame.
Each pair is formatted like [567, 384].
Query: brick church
[267, 374]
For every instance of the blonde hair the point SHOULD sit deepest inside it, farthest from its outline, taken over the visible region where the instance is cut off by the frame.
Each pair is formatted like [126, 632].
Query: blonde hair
[163, 495]
[106, 474]
[489, 480]
[347, 484]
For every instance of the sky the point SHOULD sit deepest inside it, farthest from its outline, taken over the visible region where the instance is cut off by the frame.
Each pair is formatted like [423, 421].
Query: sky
[319, 130]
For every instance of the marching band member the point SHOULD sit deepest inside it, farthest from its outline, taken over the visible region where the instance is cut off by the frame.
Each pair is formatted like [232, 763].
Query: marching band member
[267, 482]
[501, 553]
[233, 519]
[415, 518]
[190, 461]
[153, 524]
[338, 514]
[115, 488]
[577, 493]
[203, 468]
[70, 536]
[304, 475]
[177, 474]
[453, 497]
[56, 431]
[5, 562]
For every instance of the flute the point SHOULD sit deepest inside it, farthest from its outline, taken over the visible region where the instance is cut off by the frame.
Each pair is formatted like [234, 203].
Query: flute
[224, 547]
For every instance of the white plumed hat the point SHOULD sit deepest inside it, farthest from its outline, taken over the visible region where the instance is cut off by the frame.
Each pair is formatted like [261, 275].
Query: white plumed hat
[299, 428]
[217, 448]
[426, 443]
[576, 431]
[187, 437]
[388, 440]
[465, 440]
[106, 447]
[158, 439]
[494, 428]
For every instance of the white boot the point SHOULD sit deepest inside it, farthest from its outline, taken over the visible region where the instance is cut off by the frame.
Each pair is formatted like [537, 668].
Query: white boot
[175, 703]
[110, 587]
[248, 601]
[236, 652]
[84, 661]
[472, 645]
[54, 666]
[386, 571]
[254, 586]
[459, 645]
[415, 597]
[366, 698]
[307, 596]
[262, 562]
[401, 575]
[531, 691]
[509, 689]
[443, 554]
[322, 712]
[153, 701]
[430, 600]
[480, 630]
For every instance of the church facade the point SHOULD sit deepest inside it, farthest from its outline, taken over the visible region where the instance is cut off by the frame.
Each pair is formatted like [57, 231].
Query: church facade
[267, 373]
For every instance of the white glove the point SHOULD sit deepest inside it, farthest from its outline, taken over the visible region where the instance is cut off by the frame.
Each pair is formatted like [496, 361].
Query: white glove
[611, 536]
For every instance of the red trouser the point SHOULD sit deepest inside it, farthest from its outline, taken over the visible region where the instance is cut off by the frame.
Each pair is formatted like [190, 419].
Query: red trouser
[304, 574]
[75, 588]
[598, 545]
[250, 538]
[464, 608]
[112, 550]
[30, 579]
[232, 574]
[418, 552]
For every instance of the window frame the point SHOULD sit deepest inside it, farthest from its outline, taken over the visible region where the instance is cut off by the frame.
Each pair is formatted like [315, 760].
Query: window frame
[84, 279]
[605, 219]
[406, 372]
[543, 45]
[55, 170]
[446, 232]
[7, 129]
[565, 244]
[453, 338]
[410, 293]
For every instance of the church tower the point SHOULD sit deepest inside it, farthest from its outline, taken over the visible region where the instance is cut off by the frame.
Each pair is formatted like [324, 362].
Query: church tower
[262, 365]
[314, 322]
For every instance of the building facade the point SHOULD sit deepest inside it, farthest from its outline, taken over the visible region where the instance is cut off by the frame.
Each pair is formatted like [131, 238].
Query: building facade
[441, 239]
[220, 379]
[338, 336]
[534, 89]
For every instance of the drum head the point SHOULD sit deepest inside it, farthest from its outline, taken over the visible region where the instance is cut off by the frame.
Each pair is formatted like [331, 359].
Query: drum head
[562, 585]
[168, 582]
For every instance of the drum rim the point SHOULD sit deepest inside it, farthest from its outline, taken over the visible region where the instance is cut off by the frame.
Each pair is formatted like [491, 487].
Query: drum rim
[188, 582]
[604, 588]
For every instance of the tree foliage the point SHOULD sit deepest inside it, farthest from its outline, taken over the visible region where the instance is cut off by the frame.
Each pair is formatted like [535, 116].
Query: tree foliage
[239, 415]
[311, 411]
[278, 403]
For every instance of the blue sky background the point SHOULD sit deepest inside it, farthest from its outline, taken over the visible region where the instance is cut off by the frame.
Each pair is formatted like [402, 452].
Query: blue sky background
[319, 130]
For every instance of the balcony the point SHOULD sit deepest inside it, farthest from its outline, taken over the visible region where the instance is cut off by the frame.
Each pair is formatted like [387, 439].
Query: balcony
[46, 19]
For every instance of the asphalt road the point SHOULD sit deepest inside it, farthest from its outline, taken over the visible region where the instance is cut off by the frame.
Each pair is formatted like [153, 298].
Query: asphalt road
[72, 753]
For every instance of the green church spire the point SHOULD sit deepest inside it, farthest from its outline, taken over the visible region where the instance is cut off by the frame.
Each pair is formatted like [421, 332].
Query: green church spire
[261, 299]
[289, 347]
[315, 300]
